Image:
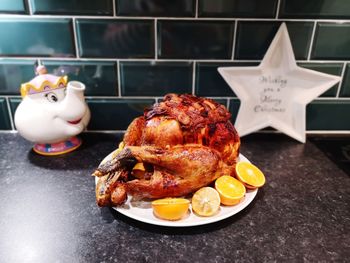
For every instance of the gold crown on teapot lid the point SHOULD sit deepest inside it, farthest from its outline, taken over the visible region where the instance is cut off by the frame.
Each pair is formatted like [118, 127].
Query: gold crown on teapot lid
[43, 82]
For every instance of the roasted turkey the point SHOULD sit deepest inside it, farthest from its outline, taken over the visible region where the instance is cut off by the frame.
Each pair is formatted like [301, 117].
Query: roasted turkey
[184, 143]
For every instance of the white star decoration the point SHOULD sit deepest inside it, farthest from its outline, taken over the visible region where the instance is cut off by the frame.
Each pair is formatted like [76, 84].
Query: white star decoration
[275, 93]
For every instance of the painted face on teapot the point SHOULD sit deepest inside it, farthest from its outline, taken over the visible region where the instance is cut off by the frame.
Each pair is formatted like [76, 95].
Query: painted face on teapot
[52, 110]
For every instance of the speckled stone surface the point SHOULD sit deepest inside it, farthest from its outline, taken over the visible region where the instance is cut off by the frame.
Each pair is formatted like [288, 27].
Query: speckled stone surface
[48, 211]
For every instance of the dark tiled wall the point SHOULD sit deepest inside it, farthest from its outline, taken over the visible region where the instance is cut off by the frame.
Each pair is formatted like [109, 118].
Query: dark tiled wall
[129, 53]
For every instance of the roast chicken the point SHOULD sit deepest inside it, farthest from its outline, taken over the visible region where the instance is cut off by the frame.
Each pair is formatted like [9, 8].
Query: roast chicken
[183, 143]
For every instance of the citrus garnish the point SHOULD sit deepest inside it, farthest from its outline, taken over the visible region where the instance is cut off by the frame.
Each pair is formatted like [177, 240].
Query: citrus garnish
[170, 208]
[120, 148]
[206, 201]
[138, 171]
[250, 175]
[139, 166]
[231, 190]
[121, 145]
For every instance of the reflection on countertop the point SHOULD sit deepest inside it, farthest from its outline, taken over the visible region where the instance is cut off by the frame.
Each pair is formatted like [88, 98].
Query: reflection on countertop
[48, 210]
[336, 148]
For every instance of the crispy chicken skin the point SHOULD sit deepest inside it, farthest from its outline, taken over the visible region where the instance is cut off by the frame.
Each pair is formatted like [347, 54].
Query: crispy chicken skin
[185, 143]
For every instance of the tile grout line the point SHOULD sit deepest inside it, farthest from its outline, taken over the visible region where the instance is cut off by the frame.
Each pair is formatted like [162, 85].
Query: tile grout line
[278, 9]
[8, 131]
[234, 40]
[194, 78]
[109, 97]
[327, 132]
[153, 97]
[331, 98]
[10, 113]
[114, 8]
[228, 104]
[196, 11]
[272, 19]
[311, 41]
[29, 8]
[87, 59]
[75, 39]
[261, 131]
[341, 80]
[118, 79]
[155, 39]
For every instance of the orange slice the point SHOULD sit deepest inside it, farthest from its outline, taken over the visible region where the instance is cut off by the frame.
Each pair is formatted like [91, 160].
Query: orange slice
[206, 201]
[170, 208]
[250, 175]
[231, 190]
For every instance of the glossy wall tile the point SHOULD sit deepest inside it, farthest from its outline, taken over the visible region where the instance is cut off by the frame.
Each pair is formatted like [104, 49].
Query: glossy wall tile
[126, 51]
[195, 39]
[328, 115]
[155, 78]
[234, 107]
[5, 123]
[99, 77]
[209, 82]
[315, 9]
[254, 38]
[220, 101]
[345, 88]
[237, 8]
[115, 38]
[14, 102]
[14, 72]
[332, 41]
[173, 8]
[13, 6]
[36, 37]
[85, 7]
[115, 114]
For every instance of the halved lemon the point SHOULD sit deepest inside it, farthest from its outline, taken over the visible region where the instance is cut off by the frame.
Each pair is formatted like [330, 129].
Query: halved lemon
[231, 190]
[170, 208]
[250, 175]
[206, 201]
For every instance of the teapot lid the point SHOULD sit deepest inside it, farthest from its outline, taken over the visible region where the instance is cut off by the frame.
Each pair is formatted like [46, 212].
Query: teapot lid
[43, 82]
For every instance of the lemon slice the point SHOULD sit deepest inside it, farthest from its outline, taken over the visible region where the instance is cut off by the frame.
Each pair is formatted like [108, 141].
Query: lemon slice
[250, 175]
[231, 190]
[206, 201]
[170, 208]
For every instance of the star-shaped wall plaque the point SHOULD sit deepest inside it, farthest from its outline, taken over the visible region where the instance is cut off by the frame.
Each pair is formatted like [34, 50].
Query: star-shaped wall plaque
[275, 93]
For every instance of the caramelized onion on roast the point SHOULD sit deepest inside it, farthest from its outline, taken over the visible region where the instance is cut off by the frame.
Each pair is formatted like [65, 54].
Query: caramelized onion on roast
[184, 142]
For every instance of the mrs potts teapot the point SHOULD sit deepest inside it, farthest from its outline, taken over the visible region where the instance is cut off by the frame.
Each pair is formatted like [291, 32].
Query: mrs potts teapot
[52, 113]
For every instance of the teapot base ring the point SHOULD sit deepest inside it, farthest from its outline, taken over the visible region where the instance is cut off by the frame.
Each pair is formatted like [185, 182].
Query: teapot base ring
[52, 149]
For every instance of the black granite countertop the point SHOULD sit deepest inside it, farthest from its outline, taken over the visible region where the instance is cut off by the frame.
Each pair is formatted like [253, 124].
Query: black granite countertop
[48, 211]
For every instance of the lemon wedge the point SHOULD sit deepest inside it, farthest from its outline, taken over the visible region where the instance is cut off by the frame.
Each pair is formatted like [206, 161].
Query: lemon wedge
[206, 201]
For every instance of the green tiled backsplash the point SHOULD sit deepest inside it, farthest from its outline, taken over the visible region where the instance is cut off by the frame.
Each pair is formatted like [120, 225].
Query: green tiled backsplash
[130, 53]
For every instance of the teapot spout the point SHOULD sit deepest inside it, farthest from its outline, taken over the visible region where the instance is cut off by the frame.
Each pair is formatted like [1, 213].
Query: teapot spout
[75, 87]
[74, 107]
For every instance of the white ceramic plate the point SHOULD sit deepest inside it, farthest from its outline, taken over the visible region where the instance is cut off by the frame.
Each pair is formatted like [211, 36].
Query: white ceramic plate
[142, 210]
